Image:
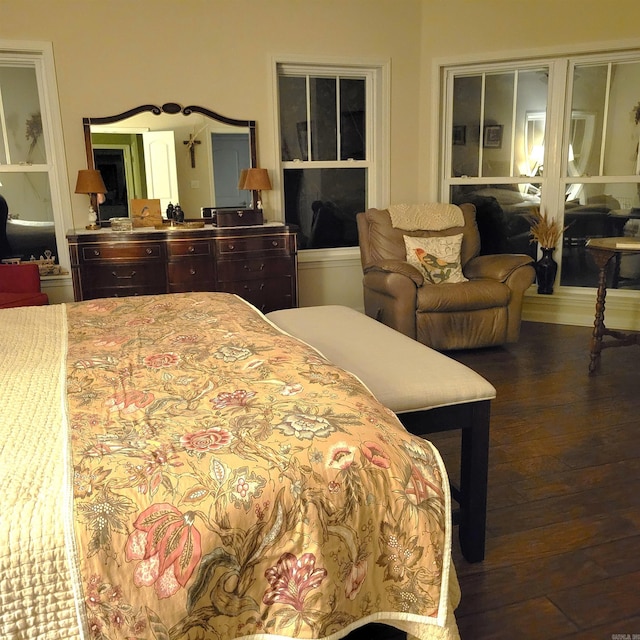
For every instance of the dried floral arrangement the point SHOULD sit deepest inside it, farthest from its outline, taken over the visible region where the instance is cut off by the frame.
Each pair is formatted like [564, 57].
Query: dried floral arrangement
[33, 132]
[636, 113]
[544, 231]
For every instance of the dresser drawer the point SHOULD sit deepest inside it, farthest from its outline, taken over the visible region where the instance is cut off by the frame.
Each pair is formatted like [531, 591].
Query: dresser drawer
[267, 295]
[142, 251]
[141, 276]
[253, 268]
[197, 274]
[178, 248]
[275, 244]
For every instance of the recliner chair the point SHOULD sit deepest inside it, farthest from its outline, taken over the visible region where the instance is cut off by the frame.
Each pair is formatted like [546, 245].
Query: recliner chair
[482, 312]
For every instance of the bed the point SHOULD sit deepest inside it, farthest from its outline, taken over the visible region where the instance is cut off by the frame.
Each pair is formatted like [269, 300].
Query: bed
[176, 467]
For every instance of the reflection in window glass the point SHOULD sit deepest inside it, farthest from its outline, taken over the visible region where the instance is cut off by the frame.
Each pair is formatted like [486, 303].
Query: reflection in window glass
[21, 139]
[326, 157]
[500, 214]
[352, 119]
[497, 129]
[324, 204]
[599, 214]
[293, 117]
[30, 228]
[467, 93]
[324, 126]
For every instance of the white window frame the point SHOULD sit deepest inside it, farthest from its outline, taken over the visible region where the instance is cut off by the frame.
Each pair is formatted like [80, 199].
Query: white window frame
[377, 73]
[568, 305]
[40, 54]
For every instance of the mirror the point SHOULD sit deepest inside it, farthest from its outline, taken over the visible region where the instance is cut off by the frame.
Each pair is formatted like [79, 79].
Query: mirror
[181, 155]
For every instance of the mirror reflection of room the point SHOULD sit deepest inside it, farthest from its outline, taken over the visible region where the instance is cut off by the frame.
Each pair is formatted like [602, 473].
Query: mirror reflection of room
[191, 160]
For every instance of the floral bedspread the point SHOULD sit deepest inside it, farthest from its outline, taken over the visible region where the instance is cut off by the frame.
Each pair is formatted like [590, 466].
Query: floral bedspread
[229, 481]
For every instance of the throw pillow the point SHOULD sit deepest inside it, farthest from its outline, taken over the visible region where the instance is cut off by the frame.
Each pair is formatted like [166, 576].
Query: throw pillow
[438, 258]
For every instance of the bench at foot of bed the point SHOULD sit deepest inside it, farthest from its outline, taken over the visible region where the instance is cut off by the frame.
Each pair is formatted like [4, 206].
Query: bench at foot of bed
[428, 391]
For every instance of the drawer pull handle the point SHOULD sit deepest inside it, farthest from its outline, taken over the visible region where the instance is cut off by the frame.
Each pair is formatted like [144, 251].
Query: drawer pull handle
[149, 251]
[96, 252]
[191, 249]
[231, 247]
[117, 277]
[248, 268]
[192, 271]
[274, 243]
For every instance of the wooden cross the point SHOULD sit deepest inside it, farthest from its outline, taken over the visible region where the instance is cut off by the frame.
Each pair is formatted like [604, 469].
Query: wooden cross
[191, 142]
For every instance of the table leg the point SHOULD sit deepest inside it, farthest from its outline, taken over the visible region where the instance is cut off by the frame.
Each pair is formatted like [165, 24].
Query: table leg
[602, 260]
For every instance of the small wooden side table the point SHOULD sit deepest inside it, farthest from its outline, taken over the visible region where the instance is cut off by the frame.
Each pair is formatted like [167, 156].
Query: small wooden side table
[606, 253]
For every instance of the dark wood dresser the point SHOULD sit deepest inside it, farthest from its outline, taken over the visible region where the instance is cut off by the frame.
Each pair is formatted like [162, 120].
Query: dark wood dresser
[258, 263]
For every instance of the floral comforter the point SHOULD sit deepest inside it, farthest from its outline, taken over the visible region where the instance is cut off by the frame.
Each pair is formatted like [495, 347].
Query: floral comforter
[230, 482]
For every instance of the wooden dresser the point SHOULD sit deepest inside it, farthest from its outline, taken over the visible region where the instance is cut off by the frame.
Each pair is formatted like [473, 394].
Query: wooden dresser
[258, 263]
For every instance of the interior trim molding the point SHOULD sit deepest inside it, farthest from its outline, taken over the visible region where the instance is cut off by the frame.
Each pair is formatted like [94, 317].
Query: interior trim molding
[577, 306]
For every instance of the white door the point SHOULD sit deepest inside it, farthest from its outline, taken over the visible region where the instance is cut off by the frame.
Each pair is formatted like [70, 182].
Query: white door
[160, 167]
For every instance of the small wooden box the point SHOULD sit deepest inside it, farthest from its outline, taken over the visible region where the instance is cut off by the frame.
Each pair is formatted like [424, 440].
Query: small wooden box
[236, 217]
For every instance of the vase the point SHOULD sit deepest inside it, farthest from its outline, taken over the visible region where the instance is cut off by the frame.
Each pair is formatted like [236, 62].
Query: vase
[546, 270]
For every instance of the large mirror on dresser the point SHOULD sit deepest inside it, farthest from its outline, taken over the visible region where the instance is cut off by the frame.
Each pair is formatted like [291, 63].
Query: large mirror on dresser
[190, 156]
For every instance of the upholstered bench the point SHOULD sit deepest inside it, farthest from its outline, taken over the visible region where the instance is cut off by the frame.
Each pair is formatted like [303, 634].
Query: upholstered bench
[427, 390]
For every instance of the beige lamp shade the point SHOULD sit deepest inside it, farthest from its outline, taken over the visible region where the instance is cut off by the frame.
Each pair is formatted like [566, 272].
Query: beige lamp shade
[90, 181]
[256, 180]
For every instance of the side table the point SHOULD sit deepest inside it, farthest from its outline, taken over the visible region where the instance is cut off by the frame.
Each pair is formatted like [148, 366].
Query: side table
[606, 253]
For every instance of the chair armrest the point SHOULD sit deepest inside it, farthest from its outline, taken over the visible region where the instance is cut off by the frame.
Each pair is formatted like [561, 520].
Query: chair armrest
[497, 267]
[397, 266]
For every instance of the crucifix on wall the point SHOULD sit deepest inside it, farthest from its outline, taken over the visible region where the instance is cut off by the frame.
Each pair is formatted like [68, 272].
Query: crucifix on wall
[191, 143]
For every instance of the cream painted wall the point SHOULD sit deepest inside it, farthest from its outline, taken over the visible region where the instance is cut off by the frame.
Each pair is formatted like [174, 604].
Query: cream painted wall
[111, 55]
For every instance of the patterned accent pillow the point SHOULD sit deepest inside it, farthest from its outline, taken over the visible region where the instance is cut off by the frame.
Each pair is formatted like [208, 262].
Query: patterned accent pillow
[438, 258]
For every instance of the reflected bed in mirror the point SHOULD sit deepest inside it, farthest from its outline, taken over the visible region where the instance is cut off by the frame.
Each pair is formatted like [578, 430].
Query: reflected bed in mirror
[186, 155]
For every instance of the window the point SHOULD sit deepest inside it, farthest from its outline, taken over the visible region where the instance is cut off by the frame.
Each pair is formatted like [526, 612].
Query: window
[560, 134]
[329, 149]
[31, 162]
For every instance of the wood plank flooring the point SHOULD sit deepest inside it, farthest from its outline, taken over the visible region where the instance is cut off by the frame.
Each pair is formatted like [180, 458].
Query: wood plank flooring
[563, 523]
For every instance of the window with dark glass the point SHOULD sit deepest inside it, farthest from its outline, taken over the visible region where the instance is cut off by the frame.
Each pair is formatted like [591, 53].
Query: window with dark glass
[324, 153]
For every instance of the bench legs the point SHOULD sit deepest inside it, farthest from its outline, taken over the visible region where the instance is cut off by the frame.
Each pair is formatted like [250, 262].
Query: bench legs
[472, 419]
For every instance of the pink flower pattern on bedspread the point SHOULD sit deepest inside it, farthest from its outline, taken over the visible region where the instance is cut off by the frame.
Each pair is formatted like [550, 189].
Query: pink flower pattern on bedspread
[229, 481]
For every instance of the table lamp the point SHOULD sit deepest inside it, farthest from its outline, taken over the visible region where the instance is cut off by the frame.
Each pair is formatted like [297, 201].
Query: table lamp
[257, 180]
[90, 182]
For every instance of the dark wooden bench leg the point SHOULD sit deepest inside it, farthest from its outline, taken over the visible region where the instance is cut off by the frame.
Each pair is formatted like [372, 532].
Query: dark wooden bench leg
[473, 484]
[473, 419]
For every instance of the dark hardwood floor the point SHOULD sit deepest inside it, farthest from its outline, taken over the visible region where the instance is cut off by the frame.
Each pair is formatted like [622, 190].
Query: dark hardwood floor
[563, 524]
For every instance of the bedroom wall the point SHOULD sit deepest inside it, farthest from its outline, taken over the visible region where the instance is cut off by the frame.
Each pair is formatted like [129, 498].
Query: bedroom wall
[111, 55]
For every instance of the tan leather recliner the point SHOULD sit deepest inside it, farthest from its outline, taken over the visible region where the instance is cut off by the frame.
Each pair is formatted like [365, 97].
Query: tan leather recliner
[483, 312]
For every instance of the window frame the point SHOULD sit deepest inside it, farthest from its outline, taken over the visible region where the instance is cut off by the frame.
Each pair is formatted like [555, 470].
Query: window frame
[556, 179]
[377, 74]
[40, 55]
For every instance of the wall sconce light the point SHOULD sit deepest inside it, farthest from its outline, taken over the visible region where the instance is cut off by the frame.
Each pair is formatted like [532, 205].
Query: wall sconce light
[256, 180]
[90, 182]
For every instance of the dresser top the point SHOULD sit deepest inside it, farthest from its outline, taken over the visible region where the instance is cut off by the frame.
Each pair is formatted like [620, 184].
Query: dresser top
[208, 231]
